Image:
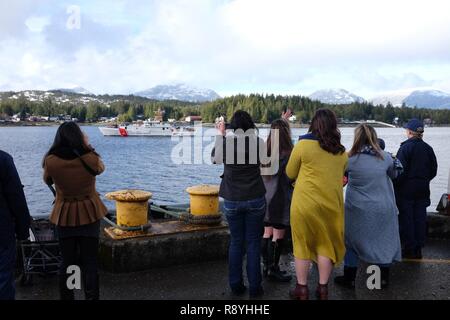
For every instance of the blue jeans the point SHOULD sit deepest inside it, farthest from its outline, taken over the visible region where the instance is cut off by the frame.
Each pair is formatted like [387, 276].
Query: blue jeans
[351, 260]
[7, 265]
[246, 222]
[412, 222]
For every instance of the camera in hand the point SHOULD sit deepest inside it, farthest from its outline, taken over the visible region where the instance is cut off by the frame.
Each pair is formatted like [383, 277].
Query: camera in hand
[222, 119]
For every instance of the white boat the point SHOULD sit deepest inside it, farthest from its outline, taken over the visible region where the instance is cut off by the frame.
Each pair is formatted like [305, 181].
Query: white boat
[148, 129]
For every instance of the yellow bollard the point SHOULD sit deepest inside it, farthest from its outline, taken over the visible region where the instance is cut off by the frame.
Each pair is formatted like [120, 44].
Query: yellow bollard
[131, 207]
[204, 200]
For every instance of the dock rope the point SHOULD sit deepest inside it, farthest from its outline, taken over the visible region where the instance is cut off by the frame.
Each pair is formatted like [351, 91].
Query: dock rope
[185, 215]
[143, 228]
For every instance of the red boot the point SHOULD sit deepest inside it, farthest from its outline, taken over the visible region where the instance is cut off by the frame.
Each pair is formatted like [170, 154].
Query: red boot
[322, 291]
[300, 292]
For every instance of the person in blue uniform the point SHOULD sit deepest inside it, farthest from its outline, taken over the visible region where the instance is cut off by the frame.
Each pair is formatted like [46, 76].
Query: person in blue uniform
[412, 188]
[14, 223]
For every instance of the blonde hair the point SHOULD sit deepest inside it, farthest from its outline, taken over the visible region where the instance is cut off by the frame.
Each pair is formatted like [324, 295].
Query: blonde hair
[416, 134]
[365, 135]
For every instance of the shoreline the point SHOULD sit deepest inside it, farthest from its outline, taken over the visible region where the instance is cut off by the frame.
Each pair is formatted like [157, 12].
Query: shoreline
[206, 124]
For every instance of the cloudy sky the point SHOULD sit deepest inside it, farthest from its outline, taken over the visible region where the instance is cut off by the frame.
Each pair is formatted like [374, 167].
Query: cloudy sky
[236, 46]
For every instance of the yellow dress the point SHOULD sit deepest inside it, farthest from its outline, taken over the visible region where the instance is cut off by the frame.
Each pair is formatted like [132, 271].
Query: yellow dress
[317, 208]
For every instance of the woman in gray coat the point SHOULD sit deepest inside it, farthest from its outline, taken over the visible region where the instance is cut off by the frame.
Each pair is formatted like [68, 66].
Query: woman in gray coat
[371, 215]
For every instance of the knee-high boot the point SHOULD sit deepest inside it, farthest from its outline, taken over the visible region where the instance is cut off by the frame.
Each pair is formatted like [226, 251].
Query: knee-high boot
[265, 254]
[274, 272]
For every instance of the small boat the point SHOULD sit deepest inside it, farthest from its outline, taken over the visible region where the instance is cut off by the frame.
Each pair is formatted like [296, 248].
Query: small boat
[148, 128]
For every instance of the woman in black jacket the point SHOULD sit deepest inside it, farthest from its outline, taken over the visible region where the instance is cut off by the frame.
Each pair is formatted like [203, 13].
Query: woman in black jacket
[412, 189]
[243, 191]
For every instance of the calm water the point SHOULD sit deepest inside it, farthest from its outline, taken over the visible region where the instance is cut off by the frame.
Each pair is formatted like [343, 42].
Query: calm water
[145, 163]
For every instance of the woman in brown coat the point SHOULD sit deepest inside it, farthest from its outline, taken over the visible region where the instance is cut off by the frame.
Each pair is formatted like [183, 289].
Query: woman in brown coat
[71, 165]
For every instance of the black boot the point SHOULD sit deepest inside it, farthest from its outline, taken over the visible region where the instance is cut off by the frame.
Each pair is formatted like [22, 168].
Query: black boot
[418, 253]
[64, 292]
[91, 287]
[384, 277]
[274, 273]
[265, 254]
[348, 279]
[408, 254]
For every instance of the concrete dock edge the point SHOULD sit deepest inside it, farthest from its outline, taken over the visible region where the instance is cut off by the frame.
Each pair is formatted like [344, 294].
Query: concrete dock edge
[138, 254]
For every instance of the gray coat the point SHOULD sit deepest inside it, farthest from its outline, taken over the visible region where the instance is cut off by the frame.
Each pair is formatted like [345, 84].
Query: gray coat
[371, 215]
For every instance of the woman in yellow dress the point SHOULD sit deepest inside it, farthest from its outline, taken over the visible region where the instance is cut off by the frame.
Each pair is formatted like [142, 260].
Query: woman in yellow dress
[317, 163]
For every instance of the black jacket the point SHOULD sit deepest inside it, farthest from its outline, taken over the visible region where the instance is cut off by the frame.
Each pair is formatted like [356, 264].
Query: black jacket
[279, 207]
[420, 167]
[241, 179]
[14, 214]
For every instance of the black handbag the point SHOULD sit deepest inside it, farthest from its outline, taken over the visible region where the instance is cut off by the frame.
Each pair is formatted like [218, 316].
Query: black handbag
[444, 204]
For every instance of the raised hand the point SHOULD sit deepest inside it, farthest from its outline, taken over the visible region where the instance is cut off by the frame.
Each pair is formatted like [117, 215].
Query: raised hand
[286, 114]
[220, 126]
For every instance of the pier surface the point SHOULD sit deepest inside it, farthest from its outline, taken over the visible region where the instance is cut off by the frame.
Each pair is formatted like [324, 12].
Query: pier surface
[425, 279]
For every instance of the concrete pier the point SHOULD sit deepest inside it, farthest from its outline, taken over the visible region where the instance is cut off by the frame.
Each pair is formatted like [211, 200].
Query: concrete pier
[438, 226]
[193, 265]
[178, 243]
[426, 279]
[175, 243]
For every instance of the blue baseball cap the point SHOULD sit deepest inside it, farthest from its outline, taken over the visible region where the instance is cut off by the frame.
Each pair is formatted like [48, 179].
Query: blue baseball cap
[414, 125]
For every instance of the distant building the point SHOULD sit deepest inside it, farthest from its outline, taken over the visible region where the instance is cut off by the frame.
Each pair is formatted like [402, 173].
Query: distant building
[159, 115]
[4, 117]
[193, 118]
[34, 119]
[15, 118]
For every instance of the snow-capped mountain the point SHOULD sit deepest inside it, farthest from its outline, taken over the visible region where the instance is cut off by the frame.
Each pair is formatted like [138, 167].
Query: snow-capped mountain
[79, 90]
[395, 98]
[433, 99]
[61, 97]
[421, 98]
[182, 92]
[335, 96]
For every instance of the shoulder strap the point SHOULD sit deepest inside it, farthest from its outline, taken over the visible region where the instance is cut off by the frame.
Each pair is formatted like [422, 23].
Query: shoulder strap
[85, 165]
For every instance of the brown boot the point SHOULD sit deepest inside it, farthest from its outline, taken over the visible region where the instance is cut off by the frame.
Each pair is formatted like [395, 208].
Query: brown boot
[322, 291]
[300, 292]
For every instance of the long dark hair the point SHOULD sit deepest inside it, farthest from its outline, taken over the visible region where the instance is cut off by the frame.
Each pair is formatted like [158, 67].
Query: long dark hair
[324, 127]
[69, 142]
[365, 135]
[285, 139]
[242, 120]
